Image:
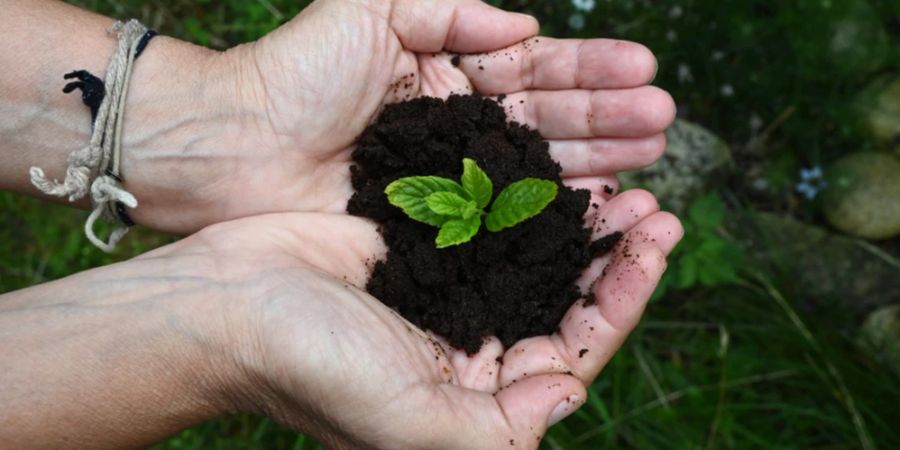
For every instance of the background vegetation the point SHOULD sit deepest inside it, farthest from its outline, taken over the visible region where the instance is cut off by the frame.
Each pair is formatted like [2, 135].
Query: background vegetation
[754, 340]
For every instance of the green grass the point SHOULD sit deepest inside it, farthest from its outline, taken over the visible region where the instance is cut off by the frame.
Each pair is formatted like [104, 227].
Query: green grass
[41, 242]
[742, 360]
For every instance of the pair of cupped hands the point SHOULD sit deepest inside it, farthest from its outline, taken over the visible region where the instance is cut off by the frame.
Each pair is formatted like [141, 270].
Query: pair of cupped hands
[319, 354]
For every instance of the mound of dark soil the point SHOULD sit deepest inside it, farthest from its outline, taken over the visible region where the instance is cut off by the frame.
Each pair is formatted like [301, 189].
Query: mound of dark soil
[512, 284]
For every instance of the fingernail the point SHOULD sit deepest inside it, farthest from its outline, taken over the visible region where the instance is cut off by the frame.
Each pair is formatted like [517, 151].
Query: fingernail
[523, 15]
[526, 17]
[655, 71]
[564, 409]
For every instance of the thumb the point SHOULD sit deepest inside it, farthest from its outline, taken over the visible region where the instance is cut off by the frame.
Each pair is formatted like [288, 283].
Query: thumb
[465, 26]
[533, 404]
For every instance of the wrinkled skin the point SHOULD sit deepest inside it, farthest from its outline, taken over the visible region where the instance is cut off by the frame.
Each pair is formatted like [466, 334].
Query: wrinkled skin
[334, 361]
[322, 356]
[305, 92]
[267, 311]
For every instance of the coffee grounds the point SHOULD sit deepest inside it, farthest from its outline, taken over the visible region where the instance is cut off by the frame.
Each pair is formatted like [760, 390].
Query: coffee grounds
[512, 284]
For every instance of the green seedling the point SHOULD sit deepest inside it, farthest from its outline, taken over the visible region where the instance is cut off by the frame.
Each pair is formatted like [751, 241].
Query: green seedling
[457, 208]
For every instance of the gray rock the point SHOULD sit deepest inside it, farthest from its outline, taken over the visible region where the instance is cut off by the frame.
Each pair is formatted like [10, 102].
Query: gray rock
[880, 108]
[693, 157]
[880, 335]
[845, 39]
[863, 195]
[820, 264]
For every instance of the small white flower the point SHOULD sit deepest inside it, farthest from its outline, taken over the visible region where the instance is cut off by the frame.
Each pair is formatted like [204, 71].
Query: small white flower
[676, 12]
[671, 35]
[583, 5]
[684, 73]
[718, 55]
[727, 90]
[756, 122]
[576, 21]
[760, 184]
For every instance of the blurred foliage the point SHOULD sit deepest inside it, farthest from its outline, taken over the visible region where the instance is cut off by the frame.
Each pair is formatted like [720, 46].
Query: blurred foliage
[704, 257]
[217, 24]
[41, 242]
[734, 355]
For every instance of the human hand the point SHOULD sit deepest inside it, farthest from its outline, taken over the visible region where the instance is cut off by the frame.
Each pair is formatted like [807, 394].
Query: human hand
[294, 102]
[326, 358]
[265, 314]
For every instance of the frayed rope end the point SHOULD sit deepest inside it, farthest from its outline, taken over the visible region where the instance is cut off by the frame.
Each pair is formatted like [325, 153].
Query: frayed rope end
[74, 187]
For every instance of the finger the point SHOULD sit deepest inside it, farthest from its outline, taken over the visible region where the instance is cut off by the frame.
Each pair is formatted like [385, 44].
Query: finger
[619, 214]
[586, 157]
[513, 418]
[311, 239]
[661, 228]
[441, 80]
[624, 211]
[601, 189]
[582, 114]
[544, 354]
[601, 186]
[535, 403]
[590, 214]
[531, 356]
[480, 371]
[465, 26]
[553, 64]
[590, 335]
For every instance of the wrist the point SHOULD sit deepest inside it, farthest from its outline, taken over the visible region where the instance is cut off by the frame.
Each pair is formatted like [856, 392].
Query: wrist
[189, 123]
[186, 125]
[137, 344]
[219, 311]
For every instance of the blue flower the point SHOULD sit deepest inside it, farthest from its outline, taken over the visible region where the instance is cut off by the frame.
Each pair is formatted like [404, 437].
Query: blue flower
[576, 21]
[809, 191]
[812, 181]
[583, 5]
[812, 173]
